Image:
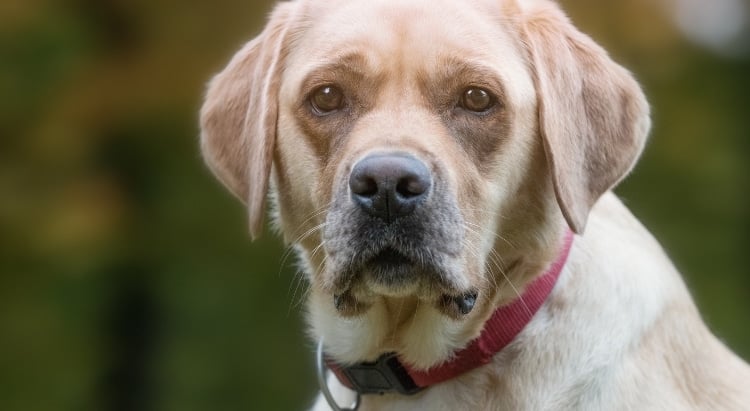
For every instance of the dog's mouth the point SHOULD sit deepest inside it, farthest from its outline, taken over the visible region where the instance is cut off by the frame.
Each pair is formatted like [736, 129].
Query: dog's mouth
[390, 256]
[393, 272]
[390, 259]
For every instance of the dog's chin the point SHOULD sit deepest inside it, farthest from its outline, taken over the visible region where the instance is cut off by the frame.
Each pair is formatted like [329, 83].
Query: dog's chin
[374, 285]
[390, 273]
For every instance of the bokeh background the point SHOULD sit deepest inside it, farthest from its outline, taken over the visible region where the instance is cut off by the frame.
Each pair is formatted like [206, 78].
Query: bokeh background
[127, 278]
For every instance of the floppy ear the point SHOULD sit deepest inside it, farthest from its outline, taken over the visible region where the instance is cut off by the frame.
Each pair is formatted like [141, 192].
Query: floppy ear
[238, 117]
[593, 116]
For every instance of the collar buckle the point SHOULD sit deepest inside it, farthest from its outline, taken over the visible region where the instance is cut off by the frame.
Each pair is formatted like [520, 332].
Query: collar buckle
[385, 375]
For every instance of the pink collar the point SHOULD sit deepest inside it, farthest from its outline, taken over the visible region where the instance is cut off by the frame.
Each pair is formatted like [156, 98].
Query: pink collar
[388, 374]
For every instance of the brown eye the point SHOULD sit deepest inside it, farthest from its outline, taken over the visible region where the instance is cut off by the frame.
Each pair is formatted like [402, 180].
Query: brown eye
[327, 99]
[477, 100]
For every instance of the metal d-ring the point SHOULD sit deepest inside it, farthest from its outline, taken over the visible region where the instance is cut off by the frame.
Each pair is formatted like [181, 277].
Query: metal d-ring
[323, 383]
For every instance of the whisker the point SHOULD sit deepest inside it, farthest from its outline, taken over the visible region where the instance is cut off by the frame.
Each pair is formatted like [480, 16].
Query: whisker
[316, 213]
[494, 233]
[317, 249]
[512, 286]
[486, 212]
[494, 260]
[298, 280]
[473, 252]
[302, 280]
[304, 236]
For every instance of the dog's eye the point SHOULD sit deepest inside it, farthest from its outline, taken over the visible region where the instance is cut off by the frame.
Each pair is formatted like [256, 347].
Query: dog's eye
[327, 99]
[477, 100]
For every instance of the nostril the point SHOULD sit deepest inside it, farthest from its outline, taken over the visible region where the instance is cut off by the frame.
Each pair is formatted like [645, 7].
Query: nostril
[364, 186]
[412, 186]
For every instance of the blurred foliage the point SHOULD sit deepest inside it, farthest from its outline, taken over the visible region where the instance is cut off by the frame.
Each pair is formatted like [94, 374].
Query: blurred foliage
[127, 279]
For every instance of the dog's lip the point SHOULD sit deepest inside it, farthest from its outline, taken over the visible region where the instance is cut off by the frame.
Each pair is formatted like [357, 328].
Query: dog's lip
[386, 268]
[456, 306]
[459, 305]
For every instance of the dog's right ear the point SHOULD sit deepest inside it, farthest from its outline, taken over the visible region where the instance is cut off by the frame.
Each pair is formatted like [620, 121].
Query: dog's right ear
[238, 117]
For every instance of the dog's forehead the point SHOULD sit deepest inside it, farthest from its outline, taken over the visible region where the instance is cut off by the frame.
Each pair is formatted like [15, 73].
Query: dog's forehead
[388, 23]
[414, 31]
[404, 41]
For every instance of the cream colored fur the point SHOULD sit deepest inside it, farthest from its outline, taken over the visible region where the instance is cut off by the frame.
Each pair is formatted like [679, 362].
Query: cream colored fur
[619, 332]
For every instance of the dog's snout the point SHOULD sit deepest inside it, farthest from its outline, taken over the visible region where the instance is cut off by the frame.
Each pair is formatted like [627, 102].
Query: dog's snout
[389, 185]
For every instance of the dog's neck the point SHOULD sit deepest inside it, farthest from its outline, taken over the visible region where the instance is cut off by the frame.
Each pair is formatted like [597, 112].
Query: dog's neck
[388, 374]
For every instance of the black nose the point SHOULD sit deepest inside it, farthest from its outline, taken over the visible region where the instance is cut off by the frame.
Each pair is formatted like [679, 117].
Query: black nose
[389, 186]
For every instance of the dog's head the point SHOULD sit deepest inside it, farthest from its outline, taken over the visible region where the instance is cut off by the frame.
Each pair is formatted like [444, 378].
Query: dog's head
[422, 155]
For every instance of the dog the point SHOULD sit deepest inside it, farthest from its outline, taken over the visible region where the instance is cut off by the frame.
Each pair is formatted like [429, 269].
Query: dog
[444, 170]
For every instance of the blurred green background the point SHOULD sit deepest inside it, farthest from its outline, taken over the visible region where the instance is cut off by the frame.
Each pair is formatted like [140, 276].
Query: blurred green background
[127, 278]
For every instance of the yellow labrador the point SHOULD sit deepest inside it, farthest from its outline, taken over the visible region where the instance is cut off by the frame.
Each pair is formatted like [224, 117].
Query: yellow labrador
[430, 160]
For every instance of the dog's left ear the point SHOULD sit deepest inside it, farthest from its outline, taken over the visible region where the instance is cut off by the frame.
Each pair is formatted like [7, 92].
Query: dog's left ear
[593, 116]
[238, 117]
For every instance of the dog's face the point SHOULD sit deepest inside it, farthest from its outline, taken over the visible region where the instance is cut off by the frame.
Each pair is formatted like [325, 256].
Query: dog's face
[421, 154]
[404, 135]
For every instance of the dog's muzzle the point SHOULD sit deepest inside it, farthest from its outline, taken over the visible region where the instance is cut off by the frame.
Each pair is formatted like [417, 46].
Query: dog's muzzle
[394, 229]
